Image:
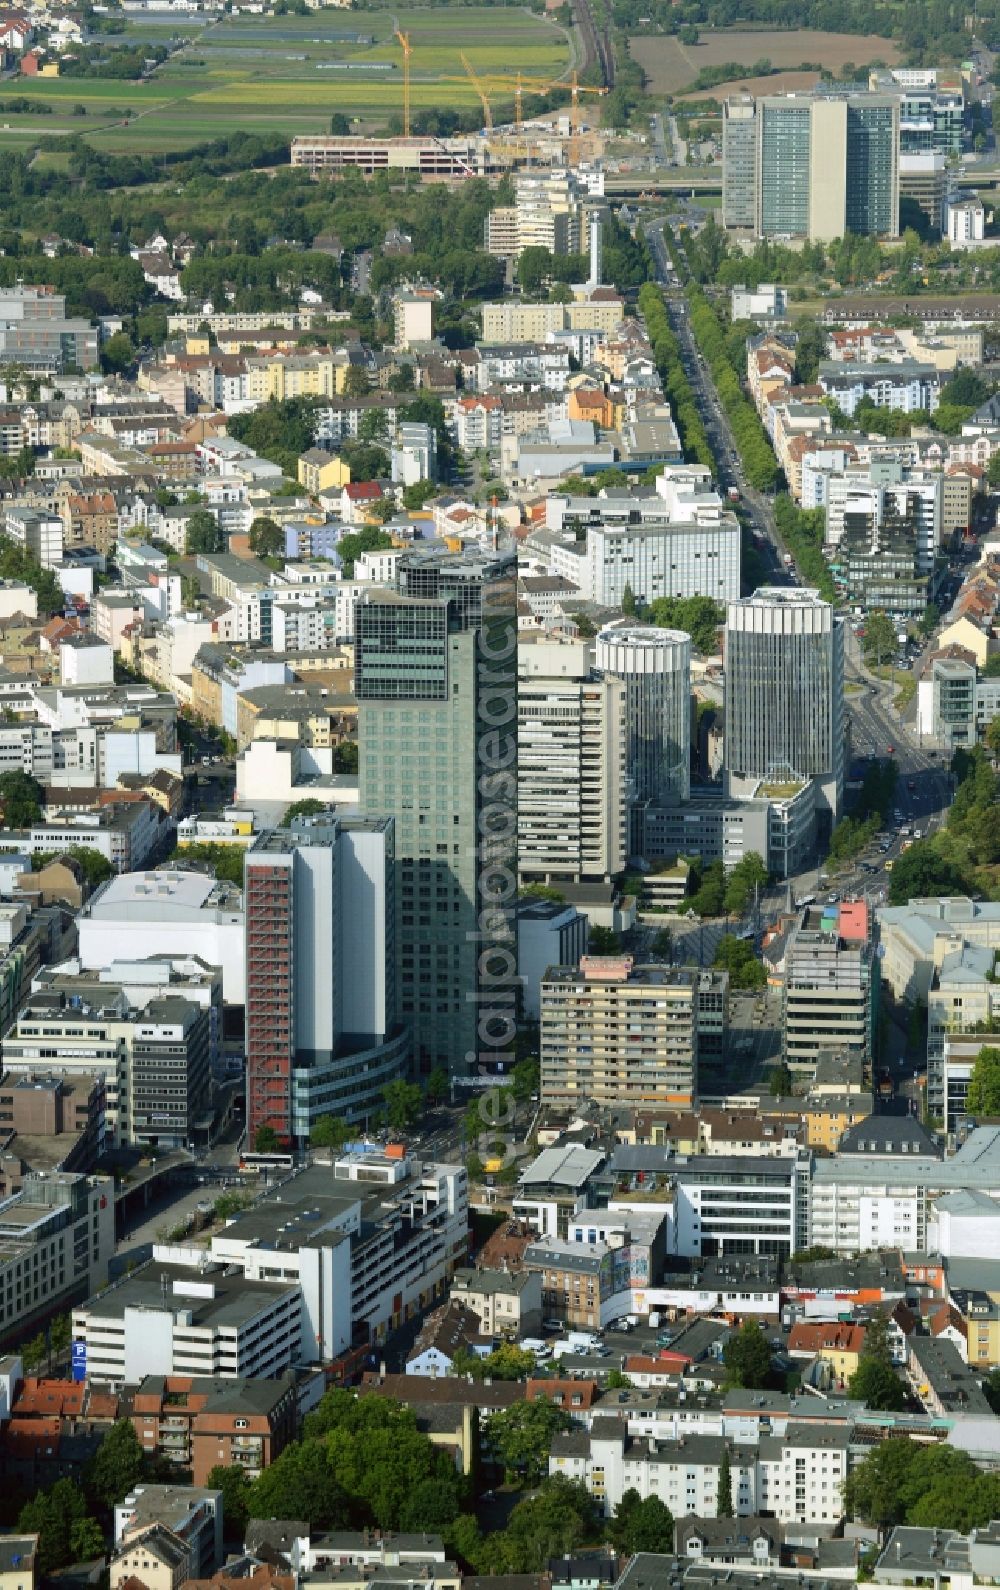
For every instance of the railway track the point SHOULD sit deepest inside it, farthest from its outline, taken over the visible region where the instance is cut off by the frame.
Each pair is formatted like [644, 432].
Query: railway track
[597, 47]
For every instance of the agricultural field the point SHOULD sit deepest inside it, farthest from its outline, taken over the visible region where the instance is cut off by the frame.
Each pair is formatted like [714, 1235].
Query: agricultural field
[289, 75]
[774, 83]
[671, 66]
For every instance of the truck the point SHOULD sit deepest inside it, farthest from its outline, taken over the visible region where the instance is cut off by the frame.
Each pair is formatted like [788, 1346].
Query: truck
[733, 494]
[786, 558]
[582, 1341]
[653, 1319]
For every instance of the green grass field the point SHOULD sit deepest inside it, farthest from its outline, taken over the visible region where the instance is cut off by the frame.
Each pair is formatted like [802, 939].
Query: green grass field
[289, 75]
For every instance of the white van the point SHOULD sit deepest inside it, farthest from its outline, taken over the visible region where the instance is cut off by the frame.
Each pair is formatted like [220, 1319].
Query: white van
[532, 1344]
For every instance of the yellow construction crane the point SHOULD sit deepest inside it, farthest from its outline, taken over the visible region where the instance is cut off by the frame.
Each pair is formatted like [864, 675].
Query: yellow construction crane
[576, 88]
[481, 92]
[533, 85]
[404, 39]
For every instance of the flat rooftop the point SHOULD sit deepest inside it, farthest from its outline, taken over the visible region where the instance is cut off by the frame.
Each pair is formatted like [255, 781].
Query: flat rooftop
[234, 1302]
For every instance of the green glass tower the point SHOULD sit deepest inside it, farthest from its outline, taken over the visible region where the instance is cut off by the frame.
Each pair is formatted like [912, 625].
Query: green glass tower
[436, 683]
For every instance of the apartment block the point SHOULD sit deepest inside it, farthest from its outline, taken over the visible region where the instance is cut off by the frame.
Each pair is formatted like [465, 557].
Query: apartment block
[587, 1277]
[618, 1032]
[413, 317]
[198, 1423]
[507, 1303]
[796, 1478]
[192, 1514]
[571, 765]
[547, 213]
[517, 322]
[154, 1056]
[39, 533]
[864, 1200]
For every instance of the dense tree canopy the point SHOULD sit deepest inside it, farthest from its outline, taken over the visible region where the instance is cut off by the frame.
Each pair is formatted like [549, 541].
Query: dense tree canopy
[21, 799]
[736, 956]
[552, 1522]
[697, 616]
[641, 1524]
[933, 1486]
[983, 1097]
[520, 1436]
[203, 532]
[747, 1357]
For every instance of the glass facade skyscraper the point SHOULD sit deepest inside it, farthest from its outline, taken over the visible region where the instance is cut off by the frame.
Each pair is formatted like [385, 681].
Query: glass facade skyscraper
[813, 165]
[872, 164]
[436, 683]
[785, 143]
[784, 662]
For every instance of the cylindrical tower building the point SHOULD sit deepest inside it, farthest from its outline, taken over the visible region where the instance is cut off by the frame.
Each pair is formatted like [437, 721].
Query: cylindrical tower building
[784, 661]
[655, 667]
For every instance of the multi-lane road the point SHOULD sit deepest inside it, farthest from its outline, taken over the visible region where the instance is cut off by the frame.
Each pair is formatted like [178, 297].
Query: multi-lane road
[729, 470]
[877, 729]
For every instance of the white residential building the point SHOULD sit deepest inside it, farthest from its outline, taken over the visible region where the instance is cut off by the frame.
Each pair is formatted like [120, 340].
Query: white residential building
[905, 386]
[38, 532]
[858, 1201]
[796, 1478]
[965, 221]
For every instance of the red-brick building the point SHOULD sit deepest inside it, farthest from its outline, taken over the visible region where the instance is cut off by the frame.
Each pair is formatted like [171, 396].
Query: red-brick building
[200, 1423]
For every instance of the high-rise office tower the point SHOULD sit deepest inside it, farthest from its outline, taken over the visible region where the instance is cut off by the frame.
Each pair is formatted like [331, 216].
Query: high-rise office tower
[323, 1034]
[436, 683]
[823, 164]
[739, 162]
[654, 665]
[784, 662]
[571, 775]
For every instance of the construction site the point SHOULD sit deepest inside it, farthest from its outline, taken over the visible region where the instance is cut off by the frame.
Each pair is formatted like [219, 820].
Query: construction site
[560, 137]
